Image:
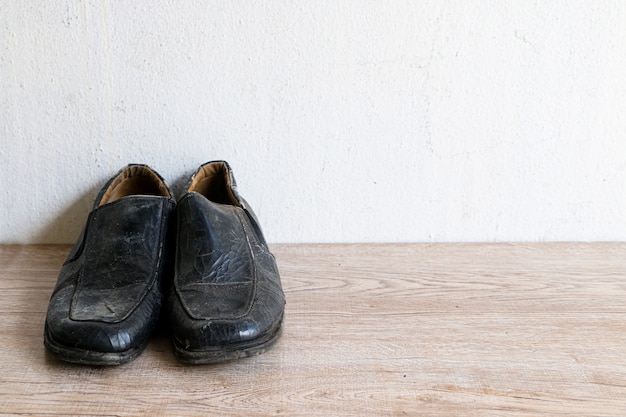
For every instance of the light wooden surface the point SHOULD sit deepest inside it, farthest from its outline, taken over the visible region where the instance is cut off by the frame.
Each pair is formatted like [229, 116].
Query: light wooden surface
[380, 330]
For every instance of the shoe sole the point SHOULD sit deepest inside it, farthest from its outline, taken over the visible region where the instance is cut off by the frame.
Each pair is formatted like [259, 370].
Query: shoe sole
[88, 357]
[227, 353]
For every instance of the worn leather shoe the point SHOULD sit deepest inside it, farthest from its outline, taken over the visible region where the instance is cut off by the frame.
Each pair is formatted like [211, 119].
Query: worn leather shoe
[108, 295]
[227, 300]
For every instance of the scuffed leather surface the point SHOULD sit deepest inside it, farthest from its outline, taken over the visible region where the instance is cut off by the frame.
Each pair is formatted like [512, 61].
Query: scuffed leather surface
[121, 259]
[108, 294]
[214, 260]
[226, 287]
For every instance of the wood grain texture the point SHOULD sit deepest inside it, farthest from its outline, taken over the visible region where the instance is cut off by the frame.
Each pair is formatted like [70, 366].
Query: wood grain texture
[382, 330]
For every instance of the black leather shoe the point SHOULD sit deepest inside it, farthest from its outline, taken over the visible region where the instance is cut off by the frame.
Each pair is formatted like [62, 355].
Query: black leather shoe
[108, 295]
[227, 300]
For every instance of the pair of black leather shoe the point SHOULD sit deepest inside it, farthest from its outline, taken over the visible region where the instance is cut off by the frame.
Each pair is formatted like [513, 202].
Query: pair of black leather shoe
[206, 256]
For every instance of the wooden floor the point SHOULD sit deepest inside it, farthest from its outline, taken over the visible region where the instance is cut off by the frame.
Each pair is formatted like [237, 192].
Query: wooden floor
[380, 330]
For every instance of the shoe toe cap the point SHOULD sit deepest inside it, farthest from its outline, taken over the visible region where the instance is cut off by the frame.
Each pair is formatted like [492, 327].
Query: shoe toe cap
[97, 335]
[207, 335]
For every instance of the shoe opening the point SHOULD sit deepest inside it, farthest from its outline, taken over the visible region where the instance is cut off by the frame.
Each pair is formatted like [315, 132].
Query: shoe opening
[135, 180]
[213, 180]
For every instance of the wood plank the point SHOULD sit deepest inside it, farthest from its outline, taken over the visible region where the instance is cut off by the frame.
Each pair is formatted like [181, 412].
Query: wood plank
[380, 330]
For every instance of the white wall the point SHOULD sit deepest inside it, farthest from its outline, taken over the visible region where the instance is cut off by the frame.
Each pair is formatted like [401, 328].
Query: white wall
[343, 120]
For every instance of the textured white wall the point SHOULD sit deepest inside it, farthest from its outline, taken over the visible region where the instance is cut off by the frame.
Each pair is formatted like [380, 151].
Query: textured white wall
[344, 120]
